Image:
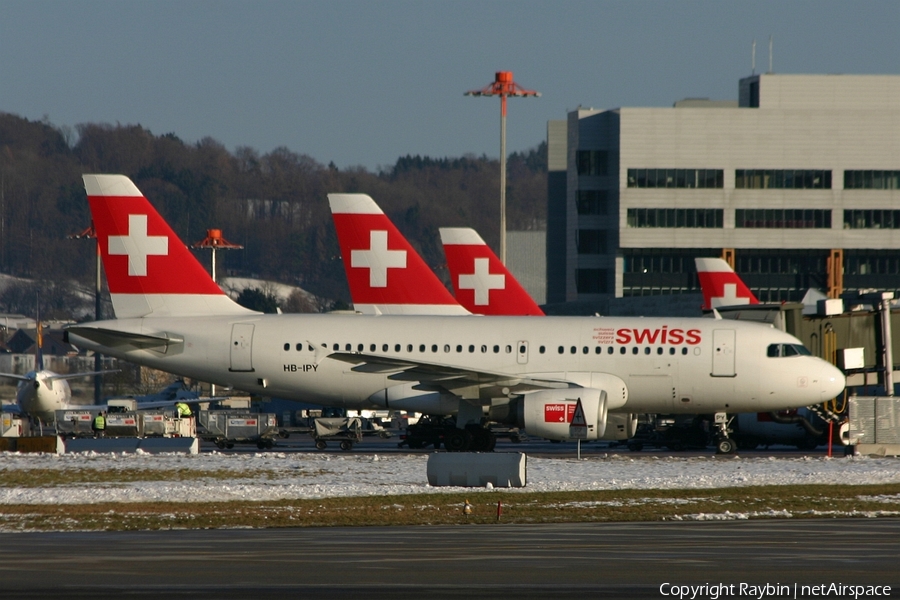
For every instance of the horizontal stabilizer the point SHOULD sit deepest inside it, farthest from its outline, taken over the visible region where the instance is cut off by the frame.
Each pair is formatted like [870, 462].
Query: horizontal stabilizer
[163, 342]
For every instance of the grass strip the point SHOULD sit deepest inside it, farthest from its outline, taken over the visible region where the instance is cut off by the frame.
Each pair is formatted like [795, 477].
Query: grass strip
[434, 509]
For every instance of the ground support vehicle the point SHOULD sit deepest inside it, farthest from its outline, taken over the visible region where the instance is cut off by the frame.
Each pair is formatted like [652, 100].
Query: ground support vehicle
[438, 431]
[226, 428]
[344, 430]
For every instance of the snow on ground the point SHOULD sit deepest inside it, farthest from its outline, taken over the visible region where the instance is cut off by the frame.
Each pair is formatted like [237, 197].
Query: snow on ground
[274, 475]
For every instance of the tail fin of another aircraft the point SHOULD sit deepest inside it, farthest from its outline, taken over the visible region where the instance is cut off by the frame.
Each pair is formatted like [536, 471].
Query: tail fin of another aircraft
[385, 273]
[482, 283]
[721, 286]
[39, 344]
[149, 269]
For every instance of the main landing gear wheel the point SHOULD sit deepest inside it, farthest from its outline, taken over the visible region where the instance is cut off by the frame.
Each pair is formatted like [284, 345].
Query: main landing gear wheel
[458, 441]
[483, 441]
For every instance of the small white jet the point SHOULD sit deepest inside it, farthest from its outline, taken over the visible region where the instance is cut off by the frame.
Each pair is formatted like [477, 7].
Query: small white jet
[520, 370]
[40, 393]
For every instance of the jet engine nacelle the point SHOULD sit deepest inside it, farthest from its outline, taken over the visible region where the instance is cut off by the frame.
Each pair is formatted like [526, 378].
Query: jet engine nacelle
[620, 426]
[405, 397]
[548, 413]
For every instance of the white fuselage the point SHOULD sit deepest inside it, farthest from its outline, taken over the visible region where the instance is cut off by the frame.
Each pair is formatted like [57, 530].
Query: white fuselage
[41, 395]
[668, 365]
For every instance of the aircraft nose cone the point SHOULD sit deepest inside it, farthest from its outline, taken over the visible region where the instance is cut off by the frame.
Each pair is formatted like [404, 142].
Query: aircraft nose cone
[833, 382]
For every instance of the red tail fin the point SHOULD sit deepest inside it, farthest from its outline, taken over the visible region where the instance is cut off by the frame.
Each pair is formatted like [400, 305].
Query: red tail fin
[720, 284]
[482, 283]
[386, 275]
[149, 270]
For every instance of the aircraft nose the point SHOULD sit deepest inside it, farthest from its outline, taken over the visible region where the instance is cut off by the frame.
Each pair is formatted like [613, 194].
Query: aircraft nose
[833, 381]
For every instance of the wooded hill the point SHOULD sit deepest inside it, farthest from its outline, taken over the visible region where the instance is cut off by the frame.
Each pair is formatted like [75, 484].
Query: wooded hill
[273, 204]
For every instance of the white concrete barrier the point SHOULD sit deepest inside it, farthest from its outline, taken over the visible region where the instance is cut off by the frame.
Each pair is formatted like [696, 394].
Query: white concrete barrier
[187, 445]
[476, 469]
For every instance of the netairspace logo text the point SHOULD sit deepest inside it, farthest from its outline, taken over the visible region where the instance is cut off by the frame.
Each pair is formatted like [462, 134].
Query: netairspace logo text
[714, 591]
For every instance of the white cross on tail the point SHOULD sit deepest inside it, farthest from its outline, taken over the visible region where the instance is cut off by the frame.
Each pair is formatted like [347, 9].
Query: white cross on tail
[137, 245]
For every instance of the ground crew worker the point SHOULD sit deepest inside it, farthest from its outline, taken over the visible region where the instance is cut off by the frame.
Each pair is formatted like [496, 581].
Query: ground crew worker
[100, 424]
[184, 410]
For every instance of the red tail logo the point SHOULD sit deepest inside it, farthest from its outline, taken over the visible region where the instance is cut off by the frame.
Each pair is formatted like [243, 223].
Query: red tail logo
[482, 283]
[383, 269]
[141, 253]
[721, 286]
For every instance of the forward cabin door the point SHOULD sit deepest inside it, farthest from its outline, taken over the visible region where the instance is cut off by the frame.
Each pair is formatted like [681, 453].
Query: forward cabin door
[241, 347]
[723, 353]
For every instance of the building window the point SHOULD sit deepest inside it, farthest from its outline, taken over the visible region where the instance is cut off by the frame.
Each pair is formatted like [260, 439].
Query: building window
[590, 281]
[591, 162]
[675, 217]
[787, 179]
[872, 219]
[872, 180]
[676, 178]
[759, 218]
[591, 241]
[592, 202]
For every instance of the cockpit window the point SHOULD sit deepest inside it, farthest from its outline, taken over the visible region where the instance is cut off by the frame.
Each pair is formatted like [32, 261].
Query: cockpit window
[777, 350]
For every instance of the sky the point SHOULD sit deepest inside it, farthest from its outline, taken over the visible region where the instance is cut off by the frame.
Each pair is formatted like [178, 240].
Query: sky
[362, 82]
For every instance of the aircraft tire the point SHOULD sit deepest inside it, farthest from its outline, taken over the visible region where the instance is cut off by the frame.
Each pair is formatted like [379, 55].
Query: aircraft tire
[459, 440]
[725, 446]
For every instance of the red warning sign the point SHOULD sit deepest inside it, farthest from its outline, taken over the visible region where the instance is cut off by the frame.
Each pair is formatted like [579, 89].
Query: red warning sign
[578, 424]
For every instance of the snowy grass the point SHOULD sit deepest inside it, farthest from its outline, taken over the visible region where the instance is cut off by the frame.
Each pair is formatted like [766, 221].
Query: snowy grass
[48, 492]
[429, 509]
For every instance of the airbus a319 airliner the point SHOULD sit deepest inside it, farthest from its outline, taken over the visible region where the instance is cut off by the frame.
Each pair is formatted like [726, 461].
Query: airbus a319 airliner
[520, 370]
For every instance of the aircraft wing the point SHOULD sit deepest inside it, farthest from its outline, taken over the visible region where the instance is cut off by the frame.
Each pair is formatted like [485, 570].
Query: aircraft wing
[467, 383]
[14, 376]
[56, 376]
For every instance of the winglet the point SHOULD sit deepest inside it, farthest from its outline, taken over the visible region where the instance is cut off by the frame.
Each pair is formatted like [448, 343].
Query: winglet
[482, 283]
[385, 273]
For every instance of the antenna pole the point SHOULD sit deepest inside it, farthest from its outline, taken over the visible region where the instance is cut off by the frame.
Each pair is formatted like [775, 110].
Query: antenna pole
[770, 54]
[753, 58]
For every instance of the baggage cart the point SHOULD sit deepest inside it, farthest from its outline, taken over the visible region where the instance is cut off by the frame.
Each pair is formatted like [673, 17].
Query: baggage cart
[345, 430]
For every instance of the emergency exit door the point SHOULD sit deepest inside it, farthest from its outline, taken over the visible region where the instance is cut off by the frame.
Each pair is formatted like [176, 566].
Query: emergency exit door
[241, 347]
[723, 353]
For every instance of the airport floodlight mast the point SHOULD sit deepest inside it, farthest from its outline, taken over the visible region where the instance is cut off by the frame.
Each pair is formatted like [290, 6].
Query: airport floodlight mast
[503, 86]
[215, 241]
[90, 234]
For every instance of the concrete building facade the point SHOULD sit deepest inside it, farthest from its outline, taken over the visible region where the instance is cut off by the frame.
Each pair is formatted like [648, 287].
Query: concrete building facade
[798, 182]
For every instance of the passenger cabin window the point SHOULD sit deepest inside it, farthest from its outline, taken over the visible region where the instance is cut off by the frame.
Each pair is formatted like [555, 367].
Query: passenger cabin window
[287, 347]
